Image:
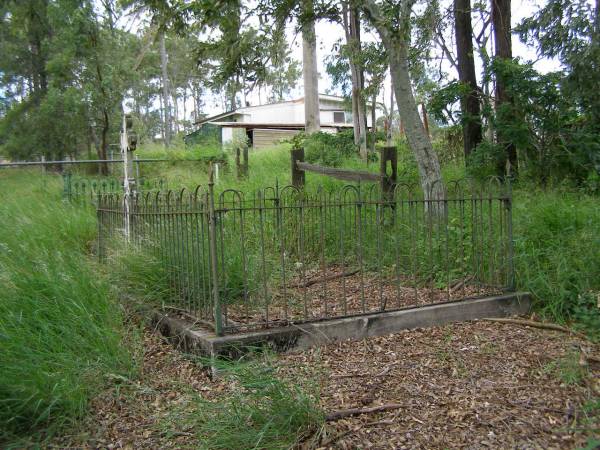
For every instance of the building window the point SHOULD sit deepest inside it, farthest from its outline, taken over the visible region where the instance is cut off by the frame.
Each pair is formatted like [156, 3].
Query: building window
[339, 117]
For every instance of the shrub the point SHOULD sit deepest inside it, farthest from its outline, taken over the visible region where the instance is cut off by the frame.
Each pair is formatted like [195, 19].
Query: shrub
[329, 149]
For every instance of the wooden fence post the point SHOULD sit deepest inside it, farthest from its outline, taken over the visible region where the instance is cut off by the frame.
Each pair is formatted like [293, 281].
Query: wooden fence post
[298, 177]
[245, 164]
[241, 162]
[388, 181]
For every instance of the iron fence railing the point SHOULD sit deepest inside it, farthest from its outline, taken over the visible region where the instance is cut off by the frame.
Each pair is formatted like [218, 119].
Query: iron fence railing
[281, 255]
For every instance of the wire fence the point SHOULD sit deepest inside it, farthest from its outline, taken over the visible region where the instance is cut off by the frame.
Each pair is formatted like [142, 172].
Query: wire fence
[77, 188]
[239, 261]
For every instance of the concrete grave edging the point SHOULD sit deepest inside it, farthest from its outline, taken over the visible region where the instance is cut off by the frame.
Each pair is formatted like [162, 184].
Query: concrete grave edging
[295, 337]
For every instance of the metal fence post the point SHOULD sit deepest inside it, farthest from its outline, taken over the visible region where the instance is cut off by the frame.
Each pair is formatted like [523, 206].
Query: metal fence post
[212, 248]
[298, 177]
[511, 284]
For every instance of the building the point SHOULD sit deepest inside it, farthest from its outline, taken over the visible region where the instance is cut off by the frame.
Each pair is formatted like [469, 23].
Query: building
[265, 125]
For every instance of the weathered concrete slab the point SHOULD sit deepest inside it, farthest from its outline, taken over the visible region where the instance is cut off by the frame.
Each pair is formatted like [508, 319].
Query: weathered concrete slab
[194, 339]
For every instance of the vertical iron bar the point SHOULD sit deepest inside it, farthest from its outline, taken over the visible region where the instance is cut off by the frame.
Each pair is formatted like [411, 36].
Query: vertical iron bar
[212, 238]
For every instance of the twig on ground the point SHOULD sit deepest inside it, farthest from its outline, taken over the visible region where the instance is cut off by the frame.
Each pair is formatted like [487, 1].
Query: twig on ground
[340, 414]
[339, 436]
[540, 325]
[460, 283]
[324, 279]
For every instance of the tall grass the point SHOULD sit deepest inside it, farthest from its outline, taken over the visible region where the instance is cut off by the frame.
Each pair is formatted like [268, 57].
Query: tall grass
[557, 250]
[60, 331]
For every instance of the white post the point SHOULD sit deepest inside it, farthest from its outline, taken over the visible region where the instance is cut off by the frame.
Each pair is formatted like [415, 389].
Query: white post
[128, 180]
[216, 172]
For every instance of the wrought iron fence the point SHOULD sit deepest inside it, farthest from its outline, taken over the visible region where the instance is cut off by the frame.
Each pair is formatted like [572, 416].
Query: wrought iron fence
[282, 255]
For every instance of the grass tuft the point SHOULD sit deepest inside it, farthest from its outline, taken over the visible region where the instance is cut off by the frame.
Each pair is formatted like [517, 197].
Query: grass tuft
[262, 412]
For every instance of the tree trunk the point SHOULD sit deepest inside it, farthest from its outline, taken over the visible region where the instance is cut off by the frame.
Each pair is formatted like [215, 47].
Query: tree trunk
[425, 119]
[312, 120]
[351, 22]
[503, 50]
[390, 120]
[471, 118]
[373, 120]
[103, 149]
[396, 43]
[185, 97]
[418, 139]
[165, 90]
[175, 117]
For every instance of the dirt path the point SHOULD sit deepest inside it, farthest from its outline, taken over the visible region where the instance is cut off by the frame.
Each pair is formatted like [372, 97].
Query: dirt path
[474, 385]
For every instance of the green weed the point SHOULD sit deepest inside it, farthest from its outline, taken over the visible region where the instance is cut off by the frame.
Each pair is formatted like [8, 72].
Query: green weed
[567, 369]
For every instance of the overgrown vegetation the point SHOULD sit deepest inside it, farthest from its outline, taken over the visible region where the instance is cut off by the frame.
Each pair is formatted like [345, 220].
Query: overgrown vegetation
[557, 246]
[262, 411]
[61, 332]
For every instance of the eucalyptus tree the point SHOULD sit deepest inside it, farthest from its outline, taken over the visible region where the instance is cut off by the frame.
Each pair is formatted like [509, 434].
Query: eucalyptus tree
[374, 66]
[353, 52]
[74, 78]
[393, 25]
[465, 62]
[570, 31]
[165, 90]
[501, 16]
[284, 71]
[312, 119]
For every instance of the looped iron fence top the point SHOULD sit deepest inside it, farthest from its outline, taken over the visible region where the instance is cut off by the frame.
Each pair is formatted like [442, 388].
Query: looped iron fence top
[241, 261]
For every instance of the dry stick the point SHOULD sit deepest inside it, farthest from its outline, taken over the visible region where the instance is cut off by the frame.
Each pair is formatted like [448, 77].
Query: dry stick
[540, 325]
[340, 414]
[460, 283]
[339, 436]
[323, 279]
[591, 358]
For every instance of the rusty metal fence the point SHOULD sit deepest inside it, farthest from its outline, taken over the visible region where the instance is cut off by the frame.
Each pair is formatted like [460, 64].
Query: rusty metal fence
[239, 261]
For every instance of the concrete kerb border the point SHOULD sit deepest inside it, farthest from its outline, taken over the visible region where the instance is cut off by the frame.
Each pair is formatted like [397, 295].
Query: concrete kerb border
[193, 339]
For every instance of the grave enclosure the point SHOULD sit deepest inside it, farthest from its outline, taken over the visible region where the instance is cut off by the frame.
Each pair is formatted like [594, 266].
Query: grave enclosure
[289, 257]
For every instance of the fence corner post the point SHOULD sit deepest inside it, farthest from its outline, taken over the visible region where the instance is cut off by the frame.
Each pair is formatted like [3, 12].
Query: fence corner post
[298, 177]
[388, 181]
[212, 248]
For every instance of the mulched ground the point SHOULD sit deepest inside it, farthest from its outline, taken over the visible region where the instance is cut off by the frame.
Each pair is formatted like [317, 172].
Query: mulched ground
[326, 295]
[472, 385]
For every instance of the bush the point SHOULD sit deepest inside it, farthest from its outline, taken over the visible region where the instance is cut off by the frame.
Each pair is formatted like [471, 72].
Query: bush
[329, 149]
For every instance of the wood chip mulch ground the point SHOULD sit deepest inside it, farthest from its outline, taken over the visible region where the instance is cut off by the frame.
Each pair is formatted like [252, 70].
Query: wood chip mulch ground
[472, 385]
